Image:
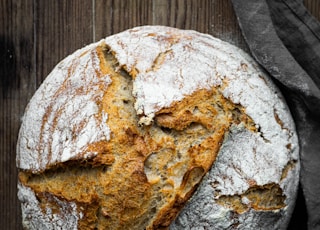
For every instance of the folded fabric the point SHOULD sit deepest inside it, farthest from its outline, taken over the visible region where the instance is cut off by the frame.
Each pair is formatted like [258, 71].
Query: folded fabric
[285, 39]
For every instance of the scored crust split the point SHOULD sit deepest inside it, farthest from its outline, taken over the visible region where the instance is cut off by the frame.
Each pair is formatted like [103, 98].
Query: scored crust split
[157, 128]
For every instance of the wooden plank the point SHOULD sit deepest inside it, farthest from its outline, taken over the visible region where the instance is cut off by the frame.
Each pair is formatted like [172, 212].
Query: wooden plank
[215, 17]
[184, 14]
[35, 35]
[61, 28]
[314, 7]
[112, 16]
[17, 77]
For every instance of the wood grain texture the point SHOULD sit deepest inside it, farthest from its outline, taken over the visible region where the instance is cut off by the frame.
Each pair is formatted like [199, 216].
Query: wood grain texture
[314, 7]
[17, 72]
[114, 16]
[61, 27]
[35, 35]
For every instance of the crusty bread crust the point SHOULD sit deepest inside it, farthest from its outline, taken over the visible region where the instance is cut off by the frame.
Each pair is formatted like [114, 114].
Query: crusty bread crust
[127, 128]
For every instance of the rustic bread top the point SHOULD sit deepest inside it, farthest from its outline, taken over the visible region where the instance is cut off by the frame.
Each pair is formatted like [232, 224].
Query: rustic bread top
[146, 112]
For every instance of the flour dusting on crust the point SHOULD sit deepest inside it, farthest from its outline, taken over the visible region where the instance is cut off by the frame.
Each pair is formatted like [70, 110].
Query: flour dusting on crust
[166, 65]
[170, 64]
[35, 218]
[63, 116]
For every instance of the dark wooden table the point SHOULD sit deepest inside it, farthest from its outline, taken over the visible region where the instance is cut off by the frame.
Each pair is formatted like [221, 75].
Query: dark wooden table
[36, 34]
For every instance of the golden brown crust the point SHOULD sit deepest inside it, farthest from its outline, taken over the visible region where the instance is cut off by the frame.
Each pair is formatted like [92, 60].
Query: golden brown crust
[124, 131]
[142, 176]
[267, 197]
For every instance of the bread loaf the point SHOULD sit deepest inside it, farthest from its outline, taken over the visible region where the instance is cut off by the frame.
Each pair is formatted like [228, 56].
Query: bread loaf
[157, 128]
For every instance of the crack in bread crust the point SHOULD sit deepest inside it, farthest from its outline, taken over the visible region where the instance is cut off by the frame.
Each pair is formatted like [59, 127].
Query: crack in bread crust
[143, 175]
[266, 197]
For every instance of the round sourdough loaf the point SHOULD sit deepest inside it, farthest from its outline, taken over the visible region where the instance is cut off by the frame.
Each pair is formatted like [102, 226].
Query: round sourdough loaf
[157, 128]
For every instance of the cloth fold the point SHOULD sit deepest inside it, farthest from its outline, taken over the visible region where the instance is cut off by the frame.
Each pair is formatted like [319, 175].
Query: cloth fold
[285, 39]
